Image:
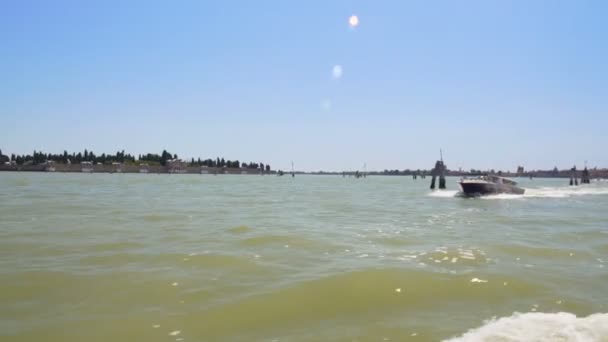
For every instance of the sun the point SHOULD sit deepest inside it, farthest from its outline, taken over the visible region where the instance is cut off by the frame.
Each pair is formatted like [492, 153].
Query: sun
[353, 21]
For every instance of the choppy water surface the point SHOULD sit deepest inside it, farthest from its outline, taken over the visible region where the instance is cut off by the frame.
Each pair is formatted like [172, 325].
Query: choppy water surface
[129, 257]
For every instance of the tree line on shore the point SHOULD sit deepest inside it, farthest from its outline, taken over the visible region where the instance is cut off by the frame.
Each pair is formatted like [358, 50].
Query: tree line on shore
[38, 158]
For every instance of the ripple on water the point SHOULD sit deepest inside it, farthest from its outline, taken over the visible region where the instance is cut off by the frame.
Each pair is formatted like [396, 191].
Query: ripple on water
[162, 218]
[115, 246]
[601, 248]
[396, 240]
[239, 230]
[288, 241]
[222, 261]
[549, 253]
[447, 256]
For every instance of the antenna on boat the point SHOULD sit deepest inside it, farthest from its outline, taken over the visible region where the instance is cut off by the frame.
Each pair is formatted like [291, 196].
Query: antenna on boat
[441, 155]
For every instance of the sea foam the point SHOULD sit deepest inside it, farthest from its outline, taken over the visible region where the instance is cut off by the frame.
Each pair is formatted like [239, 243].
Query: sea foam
[544, 192]
[538, 326]
[567, 191]
[444, 193]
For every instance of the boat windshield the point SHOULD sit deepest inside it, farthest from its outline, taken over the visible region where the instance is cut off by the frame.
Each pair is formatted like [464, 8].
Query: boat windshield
[493, 179]
[500, 180]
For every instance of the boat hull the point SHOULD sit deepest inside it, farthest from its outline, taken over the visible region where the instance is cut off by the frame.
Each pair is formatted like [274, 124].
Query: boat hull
[482, 189]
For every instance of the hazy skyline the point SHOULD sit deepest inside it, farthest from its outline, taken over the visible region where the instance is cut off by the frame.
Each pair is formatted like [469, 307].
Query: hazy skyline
[494, 84]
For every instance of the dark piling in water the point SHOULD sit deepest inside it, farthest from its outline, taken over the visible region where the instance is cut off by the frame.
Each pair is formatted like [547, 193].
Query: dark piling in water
[585, 179]
[438, 171]
[573, 180]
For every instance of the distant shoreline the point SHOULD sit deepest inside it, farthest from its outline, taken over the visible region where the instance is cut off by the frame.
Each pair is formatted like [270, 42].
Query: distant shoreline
[159, 169]
[600, 173]
[131, 168]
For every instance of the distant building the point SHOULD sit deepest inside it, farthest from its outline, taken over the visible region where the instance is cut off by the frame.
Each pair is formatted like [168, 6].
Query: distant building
[117, 167]
[86, 166]
[176, 166]
[49, 166]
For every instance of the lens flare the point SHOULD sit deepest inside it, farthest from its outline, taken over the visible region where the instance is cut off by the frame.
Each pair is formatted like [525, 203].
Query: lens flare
[336, 72]
[353, 21]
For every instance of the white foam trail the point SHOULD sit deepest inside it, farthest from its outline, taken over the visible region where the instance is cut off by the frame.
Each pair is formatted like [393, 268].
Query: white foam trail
[539, 326]
[444, 193]
[569, 191]
[504, 196]
[545, 192]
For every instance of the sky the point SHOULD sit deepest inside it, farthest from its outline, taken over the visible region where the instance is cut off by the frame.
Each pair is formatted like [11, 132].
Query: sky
[494, 84]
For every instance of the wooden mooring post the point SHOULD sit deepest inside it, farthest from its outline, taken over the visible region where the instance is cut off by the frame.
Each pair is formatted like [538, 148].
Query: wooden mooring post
[585, 179]
[438, 171]
[573, 180]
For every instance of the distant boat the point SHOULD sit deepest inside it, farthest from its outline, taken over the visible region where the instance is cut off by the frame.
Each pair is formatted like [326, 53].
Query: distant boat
[488, 185]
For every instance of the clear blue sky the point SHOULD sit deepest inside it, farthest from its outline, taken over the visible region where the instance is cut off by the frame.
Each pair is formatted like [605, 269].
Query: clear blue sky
[493, 83]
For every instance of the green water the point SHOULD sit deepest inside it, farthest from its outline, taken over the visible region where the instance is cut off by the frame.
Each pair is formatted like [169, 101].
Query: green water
[130, 257]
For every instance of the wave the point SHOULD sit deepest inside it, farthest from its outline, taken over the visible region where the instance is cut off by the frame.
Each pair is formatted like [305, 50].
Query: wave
[287, 241]
[537, 326]
[239, 229]
[354, 294]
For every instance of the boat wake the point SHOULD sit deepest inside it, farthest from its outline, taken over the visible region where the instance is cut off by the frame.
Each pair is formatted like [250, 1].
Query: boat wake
[569, 191]
[537, 326]
[545, 192]
[444, 193]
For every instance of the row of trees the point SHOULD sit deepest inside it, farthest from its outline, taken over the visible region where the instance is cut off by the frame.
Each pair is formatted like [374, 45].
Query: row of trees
[157, 158]
[231, 164]
[37, 158]
[3, 158]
